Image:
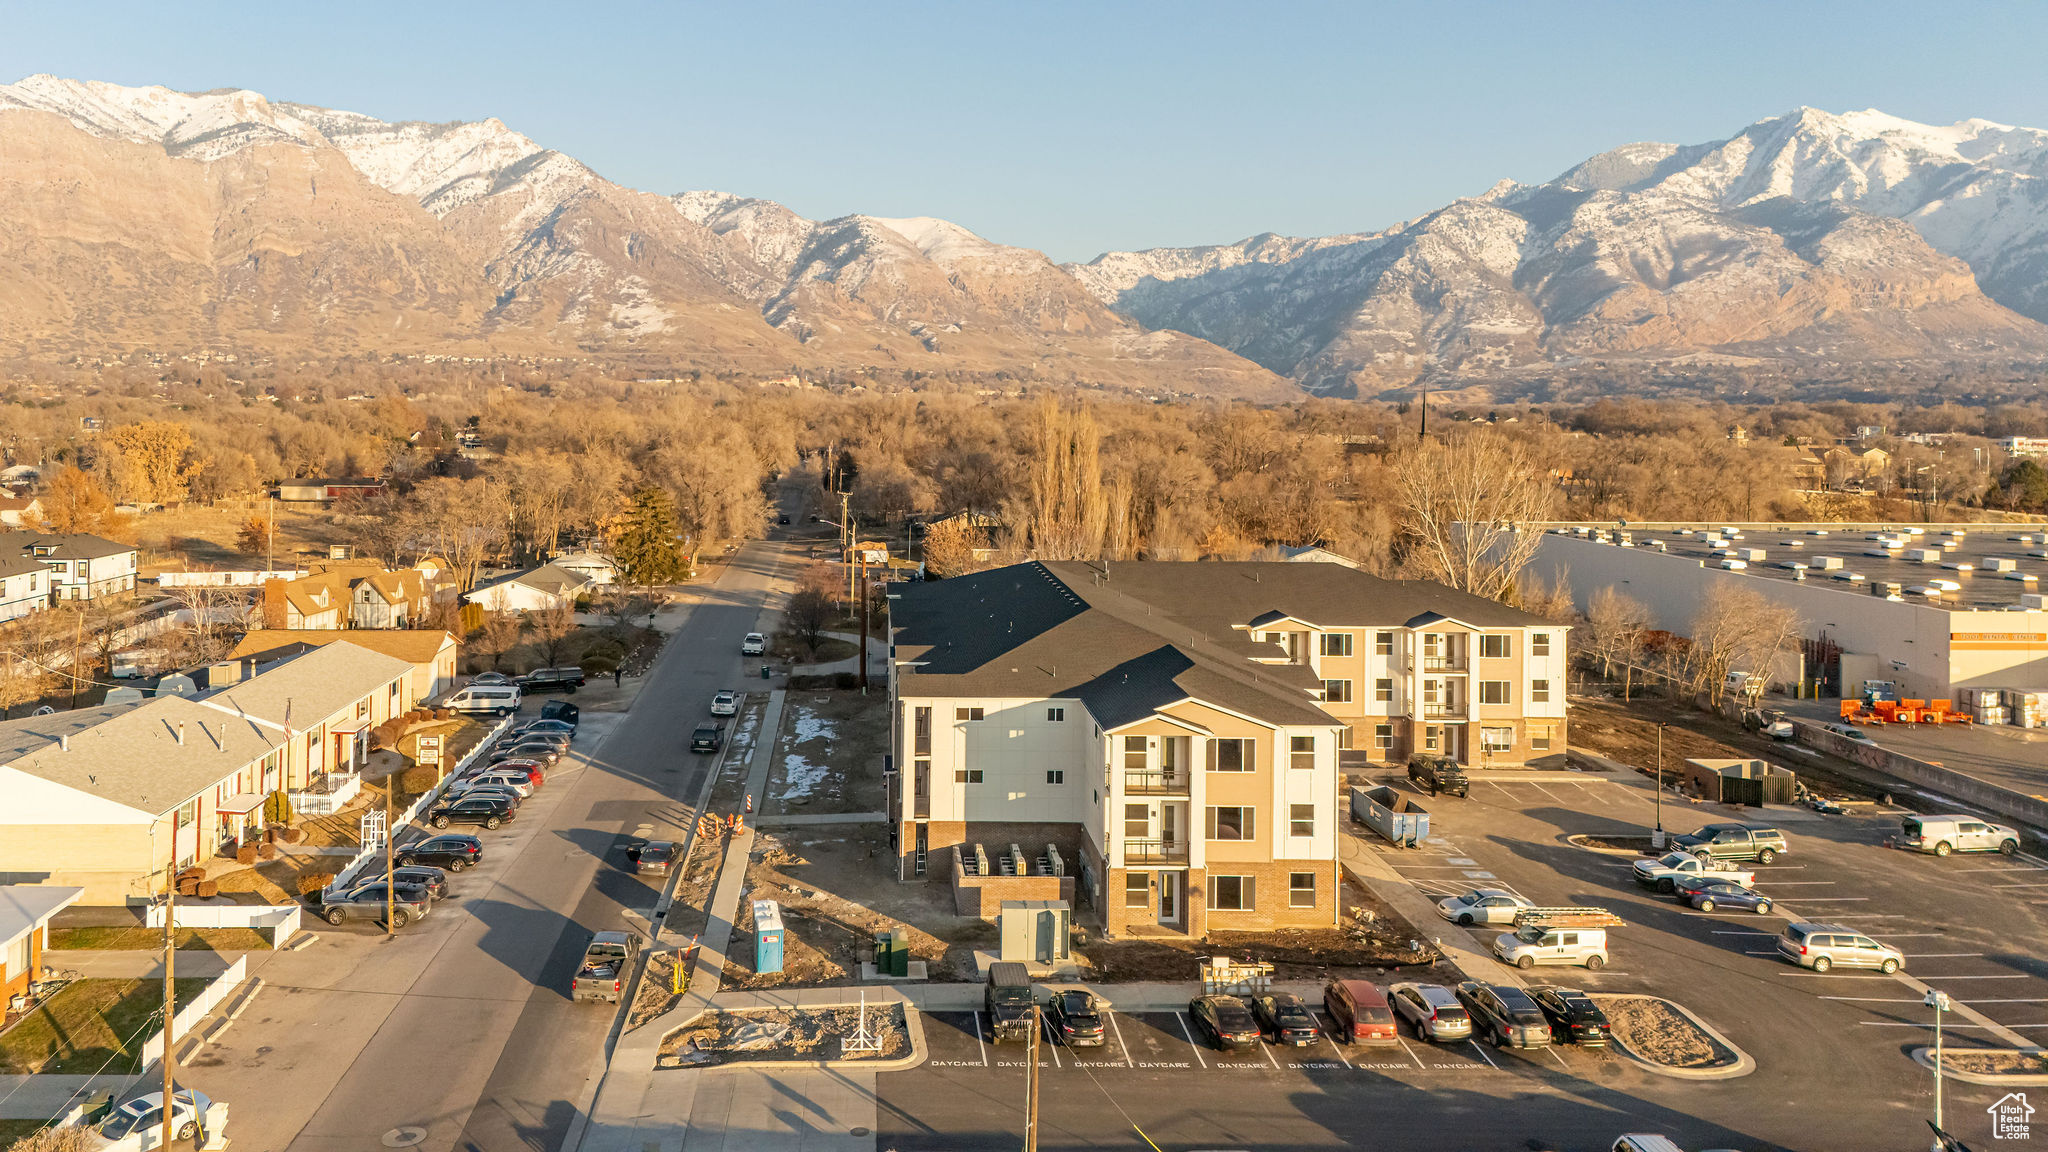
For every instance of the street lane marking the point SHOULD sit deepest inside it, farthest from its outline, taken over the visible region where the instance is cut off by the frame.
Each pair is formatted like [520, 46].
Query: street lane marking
[1860, 976]
[1939, 955]
[1918, 1000]
[977, 1039]
[1741, 932]
[2020, 885]
[1190, 1038]
[1908, 1024]
[1120, 1040]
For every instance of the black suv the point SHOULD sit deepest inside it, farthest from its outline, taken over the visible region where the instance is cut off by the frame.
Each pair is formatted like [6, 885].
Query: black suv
[551, 680]
[1574, 1018]
[1076, 1018]
[481, 810]
[1438, 774]
[453, 852]
[1225, 1020]
[1504, 1015]
[1759, 842]
[707, 738]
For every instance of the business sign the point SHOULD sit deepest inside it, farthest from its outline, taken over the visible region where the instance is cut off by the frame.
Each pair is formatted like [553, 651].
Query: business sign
[1998, 637]
[429, 750]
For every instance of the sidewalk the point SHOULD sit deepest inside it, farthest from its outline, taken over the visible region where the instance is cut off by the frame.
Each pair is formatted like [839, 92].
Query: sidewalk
[41, 1097]
[1458, 945]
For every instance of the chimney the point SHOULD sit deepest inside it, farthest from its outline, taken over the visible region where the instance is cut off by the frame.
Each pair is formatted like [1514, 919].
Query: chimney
[63, 743]
[181, 733]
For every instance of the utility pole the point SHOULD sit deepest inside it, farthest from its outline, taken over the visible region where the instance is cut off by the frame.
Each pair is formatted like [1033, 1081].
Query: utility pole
[390, 877]
[1031, 1085]
[270, 510]
[1424, 433]
[1657, 840]
[77, 637]
[1939, 1001]
[864, 599]
[846, 545]
[170, 982]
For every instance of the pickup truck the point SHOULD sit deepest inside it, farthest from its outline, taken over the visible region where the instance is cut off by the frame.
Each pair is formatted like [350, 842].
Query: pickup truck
[1663, 872]
[1757, 842]
[607, 961]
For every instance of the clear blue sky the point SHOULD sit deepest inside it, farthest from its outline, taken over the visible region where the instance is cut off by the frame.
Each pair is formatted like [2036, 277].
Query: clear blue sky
[1076, 127]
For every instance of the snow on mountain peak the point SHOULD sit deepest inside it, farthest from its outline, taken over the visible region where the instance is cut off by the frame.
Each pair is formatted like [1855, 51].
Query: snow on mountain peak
[949, 245]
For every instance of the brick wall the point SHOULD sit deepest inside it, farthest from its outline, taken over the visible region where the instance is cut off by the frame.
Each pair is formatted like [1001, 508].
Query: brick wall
[1270, 898]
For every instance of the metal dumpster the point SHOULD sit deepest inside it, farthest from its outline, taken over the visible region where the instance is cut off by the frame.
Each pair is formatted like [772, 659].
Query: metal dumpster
[1392, 815]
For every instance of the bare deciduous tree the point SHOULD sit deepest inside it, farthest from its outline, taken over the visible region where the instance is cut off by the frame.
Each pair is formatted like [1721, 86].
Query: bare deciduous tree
[499, 636]
[1616, 627]
[1467, 501]
[551, 633]
[211, 615]
[1736, 630]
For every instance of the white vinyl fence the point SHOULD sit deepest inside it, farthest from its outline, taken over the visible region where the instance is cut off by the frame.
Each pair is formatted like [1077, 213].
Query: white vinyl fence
[239, 579]
[344, 878]
[195, 1011]
[281, 919]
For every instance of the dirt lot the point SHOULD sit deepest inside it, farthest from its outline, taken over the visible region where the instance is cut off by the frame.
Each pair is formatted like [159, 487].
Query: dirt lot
[793, 1034]
[1659, 1033]
[180, 538]
[1628, 733]
[1374, 941]
[1995, 1062]
[837, 886]
[830, 754]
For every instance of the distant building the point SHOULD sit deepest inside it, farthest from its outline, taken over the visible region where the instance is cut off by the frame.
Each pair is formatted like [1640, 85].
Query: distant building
[535, 590]
[2025, 445]
[21, 511]
[24, 587]
[25, 913]
[82, 567]
[431, 652]
[326, 491]
[357, 594]
[1315, 554]
[598, 569]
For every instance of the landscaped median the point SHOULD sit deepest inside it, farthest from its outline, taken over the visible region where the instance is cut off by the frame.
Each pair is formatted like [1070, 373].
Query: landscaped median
[1989, 1065]
[1666, 1038]
[784, 1037]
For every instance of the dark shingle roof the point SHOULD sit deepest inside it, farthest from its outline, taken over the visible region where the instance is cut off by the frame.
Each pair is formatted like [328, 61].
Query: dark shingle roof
[63, 545]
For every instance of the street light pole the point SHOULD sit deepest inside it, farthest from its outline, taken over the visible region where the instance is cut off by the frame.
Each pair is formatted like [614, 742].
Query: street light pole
[1939, 1001]
[1657, 838]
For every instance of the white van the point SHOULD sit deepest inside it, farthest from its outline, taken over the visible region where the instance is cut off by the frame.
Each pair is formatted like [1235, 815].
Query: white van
[497, 699]
[1530, 945]
[1645, 1142]
[1942, 835]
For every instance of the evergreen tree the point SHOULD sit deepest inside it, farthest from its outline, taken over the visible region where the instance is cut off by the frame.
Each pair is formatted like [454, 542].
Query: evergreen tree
[646, 548]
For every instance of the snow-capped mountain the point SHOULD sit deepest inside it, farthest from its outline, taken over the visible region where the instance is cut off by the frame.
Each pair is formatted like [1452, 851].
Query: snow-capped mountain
[147, 216]
[1809, 237]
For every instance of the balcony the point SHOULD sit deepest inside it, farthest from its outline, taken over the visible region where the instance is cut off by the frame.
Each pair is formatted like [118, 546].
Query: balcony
[921, 806]
[1443, 664]
[1435, 711]
[1156, 783]
[1155, 852]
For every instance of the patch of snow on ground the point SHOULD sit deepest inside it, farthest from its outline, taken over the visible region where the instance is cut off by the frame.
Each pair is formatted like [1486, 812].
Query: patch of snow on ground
[800, 776]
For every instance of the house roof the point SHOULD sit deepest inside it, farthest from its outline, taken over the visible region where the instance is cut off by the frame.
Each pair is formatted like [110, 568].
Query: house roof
[131, 754]
[19, 566]
[312, 687]
[24, 908]
[412, 645]
[63, 545]
[549, 578]
[19, 503]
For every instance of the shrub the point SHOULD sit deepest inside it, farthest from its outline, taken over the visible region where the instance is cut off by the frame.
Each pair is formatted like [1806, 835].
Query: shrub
[313, 882]
[206, 889]
[245, 854]
[70, 1138]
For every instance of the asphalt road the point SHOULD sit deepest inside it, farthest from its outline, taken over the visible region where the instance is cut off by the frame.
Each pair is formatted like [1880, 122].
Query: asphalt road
[461, 1025]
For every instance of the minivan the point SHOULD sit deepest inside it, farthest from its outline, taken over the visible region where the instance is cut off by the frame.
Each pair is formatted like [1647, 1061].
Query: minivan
[496, 699]
[1360, 1011]
[1532, 944]
[1942, 835]
[1823, 946]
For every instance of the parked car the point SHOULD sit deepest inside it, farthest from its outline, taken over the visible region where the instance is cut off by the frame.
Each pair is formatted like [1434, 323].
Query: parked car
[487, 812]
[1707, 893]
[1504, 1015]
[1534, 944]
[1664, 872]
[1849, 730]
[366, 902]
[653, 858]
[1824, 946]
[1284, 1019]
[707, 738]
[1008, 998]
[1482, 906]
[1757, 842]
[555, 739]
[1438, 774]
[606, 961]
[520, 780]
[485, 792]
[434, 880]
[484, 678]
[1359, 1012]
[534, 771]
[1225, 1021]
[1574, 1018]
[754, 645]
[492, 699]
[453, 852]
[541, 727]
[139, 1123]
[563, 711]
[1942, 835]
[566, 679]
[726, 703]
[1433, 1009]
[1075, 1017]
[541, 750]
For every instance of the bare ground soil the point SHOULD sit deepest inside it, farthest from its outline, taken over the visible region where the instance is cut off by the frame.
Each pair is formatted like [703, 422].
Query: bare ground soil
[1994, 1061]
[793, 1034]
[656, 993]
[177, 539]
[829, 754]
[1659, 1033]
[1628, 732]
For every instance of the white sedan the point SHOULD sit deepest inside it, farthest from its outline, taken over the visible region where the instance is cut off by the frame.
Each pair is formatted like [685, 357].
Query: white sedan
[725, 704]
[139, 1123]
[754, 645]
[1482, 906]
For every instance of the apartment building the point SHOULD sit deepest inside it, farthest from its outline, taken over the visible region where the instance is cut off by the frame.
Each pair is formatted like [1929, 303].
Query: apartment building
[24, 586]
[81, 566]
[1182, 724]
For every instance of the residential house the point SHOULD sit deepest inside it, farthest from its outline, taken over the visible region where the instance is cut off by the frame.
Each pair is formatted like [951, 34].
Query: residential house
[535, 590]
[327, 491]
[316, 601]
[1180, 725]
[431, 652]
[1315, 554]
[25, 913]
[108, 798]
[21, 511]
[24, 586]
[598, 569]
[402, 599]
[357, 593]
[82, 567]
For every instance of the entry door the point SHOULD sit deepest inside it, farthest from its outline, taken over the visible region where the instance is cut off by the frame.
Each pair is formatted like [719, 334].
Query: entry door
[1047, 932]
[1169, 897]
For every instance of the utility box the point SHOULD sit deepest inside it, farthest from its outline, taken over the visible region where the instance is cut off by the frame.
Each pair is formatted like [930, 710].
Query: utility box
[892, 954]
[767, 936]
[1036, 931]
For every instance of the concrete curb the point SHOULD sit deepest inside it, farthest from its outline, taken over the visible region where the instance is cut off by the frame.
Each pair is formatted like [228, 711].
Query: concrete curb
[1925, 1058]
[1573, 841]
[1743, 1066]
[913, 1025]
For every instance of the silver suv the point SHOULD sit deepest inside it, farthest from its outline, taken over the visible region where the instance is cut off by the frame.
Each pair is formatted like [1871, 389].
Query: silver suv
[1823, 946]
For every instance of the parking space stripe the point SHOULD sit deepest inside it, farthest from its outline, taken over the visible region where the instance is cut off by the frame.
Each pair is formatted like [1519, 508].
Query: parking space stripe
[977, 1039]
[1405, 1048]
[1939, 955]
[1190, 1038]
[1120, 1041]
[1554, 1056]
[1047, 1025]
[1479, 1048]
[1266, 1050]
[2020, 886]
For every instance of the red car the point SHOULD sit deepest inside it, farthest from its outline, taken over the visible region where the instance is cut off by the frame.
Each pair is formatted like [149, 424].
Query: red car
[1360, 1012]
[535, 774]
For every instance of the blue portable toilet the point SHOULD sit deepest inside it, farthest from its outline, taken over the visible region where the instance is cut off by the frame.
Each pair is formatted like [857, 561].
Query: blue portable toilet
[767, 936]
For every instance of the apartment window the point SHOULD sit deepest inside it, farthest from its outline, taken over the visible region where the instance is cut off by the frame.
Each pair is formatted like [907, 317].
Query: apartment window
[1230, 893]
[1432, 644]
[922, 771]
[1056, 715]
[1230, 756]
[1055, 776]
[967, 714]
[1493, 692]
[1432, 737]
[362, 708]
[1336, 643]
[1383, 691]
[921, 732]
[1134, 754]
[1344, 738]
[1137, 821]
[1539, 739]
[1497, 739]
[1493, 646]
[1301, 751]
[1137, 889]
[1539, 643]
[1301, 889]
[967, 776]
[1539, 691]
[1337, 691]
[1301, 819]
[1431, 690]
[1383, 643]
[1231, 823]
